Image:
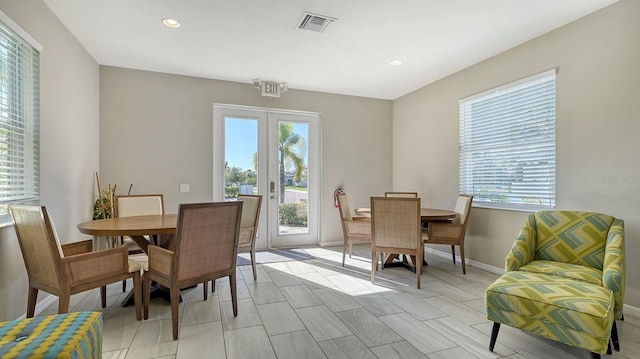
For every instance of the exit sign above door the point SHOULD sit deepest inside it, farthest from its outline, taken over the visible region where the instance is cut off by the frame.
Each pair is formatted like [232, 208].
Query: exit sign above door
[270, 88]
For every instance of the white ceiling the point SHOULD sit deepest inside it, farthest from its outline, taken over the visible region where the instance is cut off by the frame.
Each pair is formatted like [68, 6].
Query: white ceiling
[239, 40]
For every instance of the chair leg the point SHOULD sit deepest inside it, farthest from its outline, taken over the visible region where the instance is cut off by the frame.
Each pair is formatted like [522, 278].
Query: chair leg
[609, 352]
[464, 264]
[146, 294]
[103, 296]
[614, 337]
[253, 264]
[205, 287]
[175, 299]
[63, 303]
[234, 294]
[418, 265]
[31, 302]
[137, 294]
[595, 355]
[453, 254]
[213, 286]
[344, 251]
[350, 248]
[374, 265]
[124, 286]
[494, 335]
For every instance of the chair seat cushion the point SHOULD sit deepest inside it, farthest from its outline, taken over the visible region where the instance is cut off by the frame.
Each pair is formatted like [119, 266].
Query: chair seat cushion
[567, 270]
[71, 335]
[546, 304]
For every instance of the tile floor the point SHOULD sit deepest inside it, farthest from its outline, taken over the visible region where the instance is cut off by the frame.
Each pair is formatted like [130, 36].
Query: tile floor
[318, 309]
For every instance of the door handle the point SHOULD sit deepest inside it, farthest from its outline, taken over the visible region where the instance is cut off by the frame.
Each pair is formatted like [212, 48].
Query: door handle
[272, 189]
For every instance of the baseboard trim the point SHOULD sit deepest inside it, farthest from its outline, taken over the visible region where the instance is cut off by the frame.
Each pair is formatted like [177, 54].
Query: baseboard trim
[470, 263]
[629, 309]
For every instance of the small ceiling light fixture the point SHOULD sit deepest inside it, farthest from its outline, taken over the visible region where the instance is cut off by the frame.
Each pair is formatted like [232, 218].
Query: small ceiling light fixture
[395, 63]
[171, 22]
[270, 88]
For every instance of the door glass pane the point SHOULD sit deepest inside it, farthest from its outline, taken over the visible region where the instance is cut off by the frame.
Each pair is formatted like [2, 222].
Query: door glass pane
[293, 209]
[241, 157]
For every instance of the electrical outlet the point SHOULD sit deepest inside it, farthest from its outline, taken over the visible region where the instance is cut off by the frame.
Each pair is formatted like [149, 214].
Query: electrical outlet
[184, 187]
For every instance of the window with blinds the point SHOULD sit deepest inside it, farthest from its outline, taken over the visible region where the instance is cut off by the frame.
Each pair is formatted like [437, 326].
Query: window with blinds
[508, 145]
[19, 119]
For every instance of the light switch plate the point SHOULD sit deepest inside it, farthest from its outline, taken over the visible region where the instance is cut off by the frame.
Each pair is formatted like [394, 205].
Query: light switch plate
[184, 187]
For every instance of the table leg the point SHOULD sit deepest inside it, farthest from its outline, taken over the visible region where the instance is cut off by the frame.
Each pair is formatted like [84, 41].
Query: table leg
[392, 260]
[157, 291]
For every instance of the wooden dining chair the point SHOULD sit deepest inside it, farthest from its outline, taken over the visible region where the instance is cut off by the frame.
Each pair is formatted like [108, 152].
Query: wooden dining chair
[354, 227]
[249, 226]
[70, 268]
[401, 194]
[206, 246]
[395, 229]
[452, 233]
[137, 205]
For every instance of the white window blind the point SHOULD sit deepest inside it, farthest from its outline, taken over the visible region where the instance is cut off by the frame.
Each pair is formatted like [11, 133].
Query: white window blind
[507, 145]
[19, 118]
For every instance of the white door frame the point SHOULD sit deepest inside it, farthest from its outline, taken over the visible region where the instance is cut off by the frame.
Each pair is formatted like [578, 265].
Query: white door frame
[267, 129]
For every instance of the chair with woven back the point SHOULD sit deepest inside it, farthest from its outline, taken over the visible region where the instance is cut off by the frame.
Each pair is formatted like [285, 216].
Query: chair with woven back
[70, 268]
[137, 205]
[206, 246]
[452, 233]
[395, 229]
[249, 226]
[354, 227]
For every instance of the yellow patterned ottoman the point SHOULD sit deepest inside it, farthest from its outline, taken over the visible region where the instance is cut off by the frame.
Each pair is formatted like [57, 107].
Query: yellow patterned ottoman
[569, 311]
[71, 335]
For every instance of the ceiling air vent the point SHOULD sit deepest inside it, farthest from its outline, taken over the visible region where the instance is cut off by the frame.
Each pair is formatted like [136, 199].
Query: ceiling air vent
[314, 22]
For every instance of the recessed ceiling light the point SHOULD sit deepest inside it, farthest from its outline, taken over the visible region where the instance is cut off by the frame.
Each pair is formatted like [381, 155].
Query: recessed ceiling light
[171, 22]
[395, 63]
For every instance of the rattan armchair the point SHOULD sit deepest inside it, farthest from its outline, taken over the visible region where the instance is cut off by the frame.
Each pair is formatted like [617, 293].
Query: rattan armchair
[395, 229]
[353, 227]
[206, 246]
[67, 269]
[452, 233]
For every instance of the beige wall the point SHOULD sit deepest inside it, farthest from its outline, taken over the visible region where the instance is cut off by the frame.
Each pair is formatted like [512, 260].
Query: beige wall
[598, 84]
[156, 131]
[69, 110]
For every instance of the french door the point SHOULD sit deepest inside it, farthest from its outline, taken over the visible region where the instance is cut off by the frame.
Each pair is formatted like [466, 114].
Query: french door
[274, 153]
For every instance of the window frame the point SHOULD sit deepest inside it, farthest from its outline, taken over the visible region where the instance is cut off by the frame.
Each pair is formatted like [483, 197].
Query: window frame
[27, 82]
[509, 154]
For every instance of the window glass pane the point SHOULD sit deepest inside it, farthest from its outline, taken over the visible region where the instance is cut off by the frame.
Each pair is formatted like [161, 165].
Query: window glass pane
[507, 145]
[241, 157]
[19, 120]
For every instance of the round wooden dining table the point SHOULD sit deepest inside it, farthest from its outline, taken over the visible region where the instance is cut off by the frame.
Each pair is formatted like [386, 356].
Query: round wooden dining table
[135, 227]
[427, 214]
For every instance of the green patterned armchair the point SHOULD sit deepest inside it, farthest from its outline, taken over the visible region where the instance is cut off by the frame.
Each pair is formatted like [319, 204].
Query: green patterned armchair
[564, 280]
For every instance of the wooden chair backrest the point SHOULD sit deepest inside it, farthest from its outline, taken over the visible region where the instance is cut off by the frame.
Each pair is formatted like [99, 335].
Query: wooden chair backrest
[344, 207]
[39, 244]
[206, 238]
[250, 217]
[139, 205]
[396, 222]
[250, 210]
